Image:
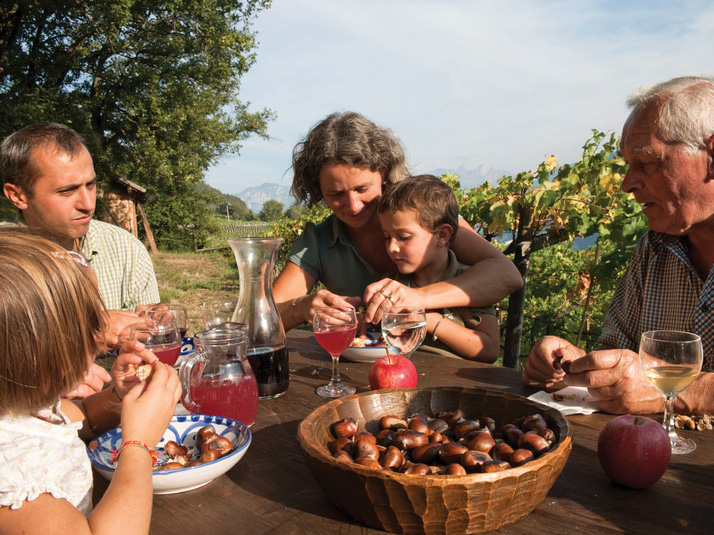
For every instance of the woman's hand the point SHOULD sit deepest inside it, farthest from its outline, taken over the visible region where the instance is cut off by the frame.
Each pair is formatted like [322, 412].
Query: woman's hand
[148, 407]
[305, 306]
[380, 296]
[132, 354]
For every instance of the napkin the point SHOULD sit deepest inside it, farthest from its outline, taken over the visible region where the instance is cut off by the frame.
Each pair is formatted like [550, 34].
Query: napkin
[569, 400]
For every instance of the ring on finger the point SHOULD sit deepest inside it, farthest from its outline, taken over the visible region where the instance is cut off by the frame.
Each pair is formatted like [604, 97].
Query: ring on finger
[387, 296]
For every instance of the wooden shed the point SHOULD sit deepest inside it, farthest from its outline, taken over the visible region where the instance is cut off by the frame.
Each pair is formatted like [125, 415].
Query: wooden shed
[122, 200]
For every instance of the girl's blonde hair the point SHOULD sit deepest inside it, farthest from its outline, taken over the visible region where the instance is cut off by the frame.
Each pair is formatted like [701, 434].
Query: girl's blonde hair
[50, 316]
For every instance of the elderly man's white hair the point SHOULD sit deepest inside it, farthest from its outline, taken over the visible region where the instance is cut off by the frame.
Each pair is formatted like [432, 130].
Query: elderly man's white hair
[685, 109]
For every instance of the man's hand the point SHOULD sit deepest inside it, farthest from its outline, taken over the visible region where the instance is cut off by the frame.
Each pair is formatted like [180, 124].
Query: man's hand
[92, 383]
[615, 378]
[545, 359]
[117, 330]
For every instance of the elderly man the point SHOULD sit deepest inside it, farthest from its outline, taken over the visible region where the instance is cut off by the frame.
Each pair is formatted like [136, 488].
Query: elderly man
[48, 174]
[668, 142]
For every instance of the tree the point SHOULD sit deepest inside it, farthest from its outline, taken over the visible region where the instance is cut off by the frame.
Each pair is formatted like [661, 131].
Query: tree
[534, 211]
[272, 211]
[153, 87]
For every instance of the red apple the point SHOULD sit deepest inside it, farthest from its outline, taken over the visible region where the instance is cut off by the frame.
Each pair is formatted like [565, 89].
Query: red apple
[392, 371]
[634, 450]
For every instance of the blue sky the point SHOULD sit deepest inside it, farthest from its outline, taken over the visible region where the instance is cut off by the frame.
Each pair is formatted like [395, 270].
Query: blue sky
[463, 83]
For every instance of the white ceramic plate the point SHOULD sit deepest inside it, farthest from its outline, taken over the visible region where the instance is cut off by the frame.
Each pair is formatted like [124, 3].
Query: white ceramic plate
[368, 353]
[182, 429]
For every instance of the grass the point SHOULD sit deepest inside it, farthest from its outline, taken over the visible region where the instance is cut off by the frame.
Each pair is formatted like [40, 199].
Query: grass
[192, 278]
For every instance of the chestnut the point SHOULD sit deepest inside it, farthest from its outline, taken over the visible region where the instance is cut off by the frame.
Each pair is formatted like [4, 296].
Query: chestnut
[202, 434]
[512, 436]
[455, 469]
[488, 423]
[502, 451]
[369, 462]
[533, 442]
[548, 435]
[463, 428]
[438, 425]
[365, 435]
[480, 441]
[472, 460]
[171, 465]
[344, 428]
[416, 424]
[452, 452]
[520, 456]
[451, 417]
[343, 456]
[365, 448]
[418, 468]
[494, 466]
[217, 442]
[174, 449]
[210, 455]
[385, 437]
[407, 440]
[534, 422]
[339, 444]
[391, 458]
[426, 453]
[392, 422]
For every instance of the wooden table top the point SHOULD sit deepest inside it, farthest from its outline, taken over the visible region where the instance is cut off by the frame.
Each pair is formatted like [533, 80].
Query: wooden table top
[271, 490]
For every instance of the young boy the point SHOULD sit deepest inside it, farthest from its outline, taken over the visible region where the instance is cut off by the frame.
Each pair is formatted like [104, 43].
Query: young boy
[419, 218]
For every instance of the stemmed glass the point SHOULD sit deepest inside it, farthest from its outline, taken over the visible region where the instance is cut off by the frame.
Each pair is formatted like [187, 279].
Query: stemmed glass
[218, 313]
[671, 361]
[404, 329]
[335, 329]
[163, 313]
[163, 340]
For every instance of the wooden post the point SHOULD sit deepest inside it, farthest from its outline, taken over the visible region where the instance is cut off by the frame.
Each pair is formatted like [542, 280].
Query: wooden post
[147, 228]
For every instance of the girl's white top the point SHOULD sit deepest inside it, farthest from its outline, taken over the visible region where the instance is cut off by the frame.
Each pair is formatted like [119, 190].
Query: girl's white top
[43, 454]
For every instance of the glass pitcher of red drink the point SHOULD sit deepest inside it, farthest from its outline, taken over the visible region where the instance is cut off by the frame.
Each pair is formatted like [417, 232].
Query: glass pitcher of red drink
[218, 378]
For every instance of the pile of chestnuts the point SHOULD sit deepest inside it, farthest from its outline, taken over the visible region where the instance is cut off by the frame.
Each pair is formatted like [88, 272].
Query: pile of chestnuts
[209, 444]
[445, 444]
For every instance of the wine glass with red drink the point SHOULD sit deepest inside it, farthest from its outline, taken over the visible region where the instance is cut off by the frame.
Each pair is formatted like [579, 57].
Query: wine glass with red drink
[335, 329]
[163, 340]
[162, 313]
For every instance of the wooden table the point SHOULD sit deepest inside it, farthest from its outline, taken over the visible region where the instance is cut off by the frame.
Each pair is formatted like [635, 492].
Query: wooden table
[272, 491]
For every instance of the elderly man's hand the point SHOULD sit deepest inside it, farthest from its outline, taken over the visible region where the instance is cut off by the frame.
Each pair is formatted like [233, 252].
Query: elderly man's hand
[117, 330]
[92, 383]
[615, 378]
[540, 369]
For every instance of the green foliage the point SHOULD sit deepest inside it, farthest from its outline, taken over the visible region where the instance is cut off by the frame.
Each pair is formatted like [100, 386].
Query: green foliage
[272, 211]
[152, 86]
[539, 214]
[225, 205]
[290, 229]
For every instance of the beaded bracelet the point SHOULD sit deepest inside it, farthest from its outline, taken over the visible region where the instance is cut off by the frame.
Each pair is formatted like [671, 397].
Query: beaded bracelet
[115, 453]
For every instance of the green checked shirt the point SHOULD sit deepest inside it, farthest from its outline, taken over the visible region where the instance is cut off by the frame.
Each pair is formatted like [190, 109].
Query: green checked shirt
[122, 265]
[661, 290]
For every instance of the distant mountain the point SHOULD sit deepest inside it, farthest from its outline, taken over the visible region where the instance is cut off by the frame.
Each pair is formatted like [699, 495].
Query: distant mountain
[256, 196]
[472, 178]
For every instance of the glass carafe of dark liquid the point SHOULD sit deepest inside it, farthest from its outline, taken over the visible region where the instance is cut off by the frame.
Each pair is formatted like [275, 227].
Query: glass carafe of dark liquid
[267, 349]
[217, 379]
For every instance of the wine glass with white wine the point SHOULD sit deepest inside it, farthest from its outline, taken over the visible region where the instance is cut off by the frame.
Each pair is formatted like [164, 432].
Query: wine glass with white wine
[671, 361]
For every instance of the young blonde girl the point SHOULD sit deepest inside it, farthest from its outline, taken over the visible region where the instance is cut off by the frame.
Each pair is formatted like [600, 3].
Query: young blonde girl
[50, 317]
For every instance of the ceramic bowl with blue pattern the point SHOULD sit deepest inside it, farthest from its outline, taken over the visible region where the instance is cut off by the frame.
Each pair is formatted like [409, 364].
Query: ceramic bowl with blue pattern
[370, 352]
[182, 429]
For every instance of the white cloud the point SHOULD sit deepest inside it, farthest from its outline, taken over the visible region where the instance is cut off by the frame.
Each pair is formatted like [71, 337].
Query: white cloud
[462, 82]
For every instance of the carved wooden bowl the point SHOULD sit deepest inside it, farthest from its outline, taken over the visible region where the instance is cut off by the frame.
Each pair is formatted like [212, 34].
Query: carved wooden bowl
[409, 503]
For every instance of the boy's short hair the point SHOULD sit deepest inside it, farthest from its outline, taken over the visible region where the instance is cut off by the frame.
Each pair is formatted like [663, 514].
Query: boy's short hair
[50, 317]
[432, 200]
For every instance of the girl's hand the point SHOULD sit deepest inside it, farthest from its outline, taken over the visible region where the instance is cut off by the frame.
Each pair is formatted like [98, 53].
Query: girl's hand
[132, 354]
[380, 296]
[148, 407]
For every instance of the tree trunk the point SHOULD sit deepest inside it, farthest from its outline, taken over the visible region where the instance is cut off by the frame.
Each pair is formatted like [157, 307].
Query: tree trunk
[516, 306]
